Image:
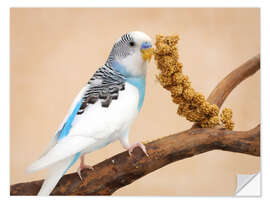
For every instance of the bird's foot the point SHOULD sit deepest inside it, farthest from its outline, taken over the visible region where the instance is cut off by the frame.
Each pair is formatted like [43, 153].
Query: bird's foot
[138, 144]
[83, 166]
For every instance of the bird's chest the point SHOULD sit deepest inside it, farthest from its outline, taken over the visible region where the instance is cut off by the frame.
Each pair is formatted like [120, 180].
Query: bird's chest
[107, 123]
[125, 109]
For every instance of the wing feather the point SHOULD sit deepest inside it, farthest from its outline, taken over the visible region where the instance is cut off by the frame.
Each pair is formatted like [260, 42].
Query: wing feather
[71, 109]
[66, 147]
[103, 87]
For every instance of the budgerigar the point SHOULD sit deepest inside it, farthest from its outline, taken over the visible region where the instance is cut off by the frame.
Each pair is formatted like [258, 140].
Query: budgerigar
[102, 112]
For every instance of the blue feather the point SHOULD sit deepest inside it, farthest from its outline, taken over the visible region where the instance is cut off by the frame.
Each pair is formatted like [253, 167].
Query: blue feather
[121, 69]
[146, 45]
[65, 130]
[77, 155]
[68, 124]
[138, 82]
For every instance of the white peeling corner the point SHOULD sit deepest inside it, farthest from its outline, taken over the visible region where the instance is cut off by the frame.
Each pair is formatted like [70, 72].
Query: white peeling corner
[248, 185]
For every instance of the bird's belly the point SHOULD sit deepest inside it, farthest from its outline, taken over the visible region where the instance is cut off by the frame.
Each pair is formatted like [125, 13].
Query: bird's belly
[108, 123]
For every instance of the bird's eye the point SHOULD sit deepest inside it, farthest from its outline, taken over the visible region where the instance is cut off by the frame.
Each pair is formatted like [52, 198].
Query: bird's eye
[132, 44]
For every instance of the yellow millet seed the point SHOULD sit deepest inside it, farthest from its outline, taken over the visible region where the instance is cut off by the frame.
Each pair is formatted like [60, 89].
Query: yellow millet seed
[176, 91]
[194, 116]
[226, 118]
[206, 107]
[191, 104]
[165, 81]
[179, 100]
[188, 94]
[183, 108]
[211, 122]
[198, 99]
[214, 110]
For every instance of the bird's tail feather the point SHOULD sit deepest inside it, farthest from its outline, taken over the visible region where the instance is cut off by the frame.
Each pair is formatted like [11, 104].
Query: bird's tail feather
[56, 171]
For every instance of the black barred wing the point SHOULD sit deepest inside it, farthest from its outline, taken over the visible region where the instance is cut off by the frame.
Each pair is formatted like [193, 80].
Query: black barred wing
[105, 86]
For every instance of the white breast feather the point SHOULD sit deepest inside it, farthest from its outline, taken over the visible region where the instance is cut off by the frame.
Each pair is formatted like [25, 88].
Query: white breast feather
[95, 128]
[100, 122]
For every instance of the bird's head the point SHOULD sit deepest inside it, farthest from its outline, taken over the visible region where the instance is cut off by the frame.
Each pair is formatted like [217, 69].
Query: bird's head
[131, 53]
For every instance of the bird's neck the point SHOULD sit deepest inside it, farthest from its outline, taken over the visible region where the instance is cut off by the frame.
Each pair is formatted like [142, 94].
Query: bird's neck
[137, 81]
[129, 71]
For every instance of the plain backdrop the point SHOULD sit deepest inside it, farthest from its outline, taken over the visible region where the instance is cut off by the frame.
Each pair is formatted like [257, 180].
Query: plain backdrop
[54, 51]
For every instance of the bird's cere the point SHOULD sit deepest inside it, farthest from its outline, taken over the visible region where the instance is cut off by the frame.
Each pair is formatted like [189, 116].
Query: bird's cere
[146, 45]
[191, 104]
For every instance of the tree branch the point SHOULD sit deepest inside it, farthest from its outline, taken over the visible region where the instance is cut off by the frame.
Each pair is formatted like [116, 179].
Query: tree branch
[224, 88]
[121, 170]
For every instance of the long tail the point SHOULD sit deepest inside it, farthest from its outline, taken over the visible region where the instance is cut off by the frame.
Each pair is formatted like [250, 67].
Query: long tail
[56, 171]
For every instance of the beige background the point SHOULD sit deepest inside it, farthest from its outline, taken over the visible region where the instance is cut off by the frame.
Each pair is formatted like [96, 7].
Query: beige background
[55, 51]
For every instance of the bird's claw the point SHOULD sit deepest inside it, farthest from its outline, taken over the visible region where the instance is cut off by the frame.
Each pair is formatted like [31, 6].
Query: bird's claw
[81, 167]
[138, 144]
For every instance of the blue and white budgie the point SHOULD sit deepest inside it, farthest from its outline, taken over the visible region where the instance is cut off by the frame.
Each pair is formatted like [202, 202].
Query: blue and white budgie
[102, 112]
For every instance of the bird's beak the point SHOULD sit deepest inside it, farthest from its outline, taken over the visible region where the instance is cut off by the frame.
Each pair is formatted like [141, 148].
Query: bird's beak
[147, 51]
[147, 54]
